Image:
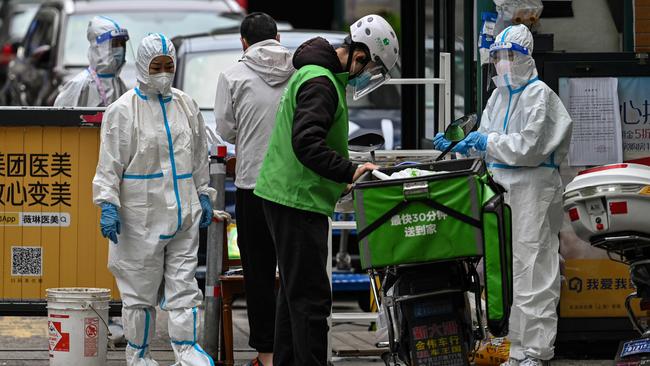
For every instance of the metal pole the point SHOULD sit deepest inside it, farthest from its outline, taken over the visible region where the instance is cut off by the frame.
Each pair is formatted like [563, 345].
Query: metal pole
[628, 26]
[412, 11]
[214, 260]
[329, 275]
[449, 35]
[437, 49]
[343, 259]
[417, 81]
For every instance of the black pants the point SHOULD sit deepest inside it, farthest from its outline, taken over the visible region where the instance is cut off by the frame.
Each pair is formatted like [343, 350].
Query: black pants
[305, 297]
[258, 261]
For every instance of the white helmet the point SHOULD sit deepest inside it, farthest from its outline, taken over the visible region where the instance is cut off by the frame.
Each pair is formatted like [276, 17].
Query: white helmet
[375, 33]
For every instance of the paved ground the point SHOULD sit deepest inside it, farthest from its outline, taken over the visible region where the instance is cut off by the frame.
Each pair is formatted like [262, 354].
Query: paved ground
[23, 342]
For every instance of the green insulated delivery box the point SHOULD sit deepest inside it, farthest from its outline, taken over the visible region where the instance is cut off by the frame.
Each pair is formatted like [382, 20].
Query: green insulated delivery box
[456, 213]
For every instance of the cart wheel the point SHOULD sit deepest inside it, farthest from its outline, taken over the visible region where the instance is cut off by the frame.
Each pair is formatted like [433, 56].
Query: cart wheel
[386, 358]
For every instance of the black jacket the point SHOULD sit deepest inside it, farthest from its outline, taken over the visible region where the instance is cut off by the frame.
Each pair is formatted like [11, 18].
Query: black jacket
[316, 104]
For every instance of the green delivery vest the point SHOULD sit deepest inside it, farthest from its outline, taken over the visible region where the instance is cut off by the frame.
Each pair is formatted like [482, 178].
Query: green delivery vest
[283, 178]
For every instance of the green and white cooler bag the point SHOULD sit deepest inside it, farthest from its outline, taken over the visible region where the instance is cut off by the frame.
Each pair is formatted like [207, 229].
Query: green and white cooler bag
[457, 213]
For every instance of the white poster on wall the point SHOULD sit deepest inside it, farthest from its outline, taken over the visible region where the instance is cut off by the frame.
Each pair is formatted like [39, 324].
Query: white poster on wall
[634, 99]
[593, 106]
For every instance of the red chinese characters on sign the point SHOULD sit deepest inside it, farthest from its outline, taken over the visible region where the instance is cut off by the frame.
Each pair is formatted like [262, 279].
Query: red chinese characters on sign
[446, 328]
[91, 332]
[438, 344]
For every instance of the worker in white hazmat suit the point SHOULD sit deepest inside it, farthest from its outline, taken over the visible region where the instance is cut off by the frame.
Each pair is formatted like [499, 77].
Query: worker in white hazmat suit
[152, 185]
[524, 135]
[99, 84]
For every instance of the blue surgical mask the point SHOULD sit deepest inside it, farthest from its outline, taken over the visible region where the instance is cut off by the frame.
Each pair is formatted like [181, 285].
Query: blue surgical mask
[360, 81]
[119, 56]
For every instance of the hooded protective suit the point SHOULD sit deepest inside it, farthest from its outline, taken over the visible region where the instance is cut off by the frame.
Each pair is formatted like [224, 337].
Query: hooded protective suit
[100, 84]
[528, 132]
[153, 165]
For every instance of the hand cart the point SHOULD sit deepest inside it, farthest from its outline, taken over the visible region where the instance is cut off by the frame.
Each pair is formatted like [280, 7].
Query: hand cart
[423, 238]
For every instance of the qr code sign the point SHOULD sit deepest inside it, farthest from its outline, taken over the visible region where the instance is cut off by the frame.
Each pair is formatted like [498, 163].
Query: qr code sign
[26, 261]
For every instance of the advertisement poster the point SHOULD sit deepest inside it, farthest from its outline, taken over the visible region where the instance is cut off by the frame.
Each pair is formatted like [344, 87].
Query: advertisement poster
[49, 225]
[634, 99]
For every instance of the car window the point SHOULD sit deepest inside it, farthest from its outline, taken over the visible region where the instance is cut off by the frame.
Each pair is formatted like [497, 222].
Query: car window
[40, 31]
[140, 24]
[20, 21]
[201, 72]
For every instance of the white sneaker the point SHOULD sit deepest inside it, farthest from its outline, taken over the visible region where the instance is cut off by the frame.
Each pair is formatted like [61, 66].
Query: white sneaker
[511, 362]
[530, 361]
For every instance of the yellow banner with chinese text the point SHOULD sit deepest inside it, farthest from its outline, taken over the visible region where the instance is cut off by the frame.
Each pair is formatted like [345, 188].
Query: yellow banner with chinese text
[596, 288]
[48, 222]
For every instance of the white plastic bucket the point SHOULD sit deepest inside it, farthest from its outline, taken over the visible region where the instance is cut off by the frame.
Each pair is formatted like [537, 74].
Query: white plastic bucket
[77, 326]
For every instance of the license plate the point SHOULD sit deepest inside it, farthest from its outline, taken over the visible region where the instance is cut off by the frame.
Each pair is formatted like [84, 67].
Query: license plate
[636, 347]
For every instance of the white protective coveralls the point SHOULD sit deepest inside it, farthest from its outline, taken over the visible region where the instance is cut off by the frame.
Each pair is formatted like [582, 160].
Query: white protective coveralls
[153, 165]
[100, 84]
[528, 132]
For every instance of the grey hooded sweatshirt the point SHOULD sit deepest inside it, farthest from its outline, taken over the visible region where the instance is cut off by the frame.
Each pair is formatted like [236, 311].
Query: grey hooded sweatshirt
[248, 95]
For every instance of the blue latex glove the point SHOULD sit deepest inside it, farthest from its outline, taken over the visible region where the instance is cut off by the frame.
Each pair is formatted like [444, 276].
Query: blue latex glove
[474, 140]
[110, 221]
[206, 216]
[440, 142]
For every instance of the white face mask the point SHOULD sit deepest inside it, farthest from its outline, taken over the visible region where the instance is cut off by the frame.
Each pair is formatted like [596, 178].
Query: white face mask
[503, 67]
[161, 82]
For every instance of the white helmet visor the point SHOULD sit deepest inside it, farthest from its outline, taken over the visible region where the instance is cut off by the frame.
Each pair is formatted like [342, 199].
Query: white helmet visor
[504, 56]
[121, 34]
[372, 77]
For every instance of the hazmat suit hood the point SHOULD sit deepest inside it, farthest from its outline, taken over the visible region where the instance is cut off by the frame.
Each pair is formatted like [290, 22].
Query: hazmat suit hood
[518, 41]
[103, 58]
[270, 60]
[152, 46]
[99, 84]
